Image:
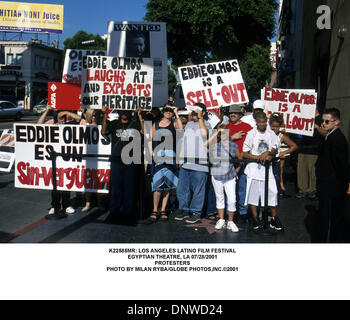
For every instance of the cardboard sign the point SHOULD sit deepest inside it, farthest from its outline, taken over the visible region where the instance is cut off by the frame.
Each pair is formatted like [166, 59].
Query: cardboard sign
[34, 145]
[72, 70]
[217, 84]
[298, 108]
[147, 40]
[64, 96]
[7, 149]
[118, 83]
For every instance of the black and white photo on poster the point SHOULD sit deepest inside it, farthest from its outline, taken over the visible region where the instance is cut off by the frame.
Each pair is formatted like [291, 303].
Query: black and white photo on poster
[147, 40]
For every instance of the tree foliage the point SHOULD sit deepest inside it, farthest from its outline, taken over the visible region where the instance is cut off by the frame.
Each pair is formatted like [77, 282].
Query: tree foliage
[199, 31]
[76, 41]
[171, 81]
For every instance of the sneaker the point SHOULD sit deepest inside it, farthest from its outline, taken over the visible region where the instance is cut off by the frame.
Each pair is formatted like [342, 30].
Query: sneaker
[231, 226]
[276, 224]
[300, 195]
[52, 211]
[194, 218]
[180, 215]
[220, 224]
[70, 210]
[256, 223]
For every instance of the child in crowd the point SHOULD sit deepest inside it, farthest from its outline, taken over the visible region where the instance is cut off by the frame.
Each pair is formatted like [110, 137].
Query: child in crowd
[223, 174]
[285, 148]
[261, 145]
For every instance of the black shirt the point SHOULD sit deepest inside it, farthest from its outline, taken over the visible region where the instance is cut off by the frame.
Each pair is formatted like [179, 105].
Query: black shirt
[310, 145]
[119, 131]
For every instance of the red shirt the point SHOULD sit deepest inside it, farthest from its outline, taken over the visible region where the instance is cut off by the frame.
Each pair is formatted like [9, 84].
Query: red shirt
[234, 128]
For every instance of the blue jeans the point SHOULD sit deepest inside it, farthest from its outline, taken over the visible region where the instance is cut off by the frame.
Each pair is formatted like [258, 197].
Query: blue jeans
[122, 188]
[241, 191]
[191, 190]
[209, 206]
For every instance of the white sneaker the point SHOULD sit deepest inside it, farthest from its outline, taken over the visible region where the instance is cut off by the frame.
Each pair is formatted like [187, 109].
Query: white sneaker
[70, 210]
[220, 224]
[52, 211]
[231, 226]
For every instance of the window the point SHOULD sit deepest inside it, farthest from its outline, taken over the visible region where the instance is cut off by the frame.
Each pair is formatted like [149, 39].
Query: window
[19, 59]
[10, 59]
[37, 60]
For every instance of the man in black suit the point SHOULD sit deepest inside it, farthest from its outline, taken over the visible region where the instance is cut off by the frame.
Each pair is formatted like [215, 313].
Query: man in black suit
[333, 178]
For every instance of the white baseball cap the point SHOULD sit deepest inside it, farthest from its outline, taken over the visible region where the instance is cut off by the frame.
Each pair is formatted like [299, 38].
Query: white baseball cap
[259, 104]
[183, 112]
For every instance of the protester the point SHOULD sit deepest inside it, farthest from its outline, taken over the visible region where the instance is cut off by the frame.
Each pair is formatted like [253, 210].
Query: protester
[307, 157]
[183, 114]
[194, 169]
[59, 199]
[122, 175]
[261, 145]
[238, 133]
[258, 106]
[333, 177]
[164, 171]
[285, 147]
[93, 117]
[223, 175]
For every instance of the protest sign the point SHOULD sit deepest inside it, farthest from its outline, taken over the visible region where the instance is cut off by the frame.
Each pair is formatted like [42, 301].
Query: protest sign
[117, 83]
[7, 149]
[73, 61]
[34, 145]
[213, 119]
[217, 84]
[298, 108]
[64, 96]
[147, 40]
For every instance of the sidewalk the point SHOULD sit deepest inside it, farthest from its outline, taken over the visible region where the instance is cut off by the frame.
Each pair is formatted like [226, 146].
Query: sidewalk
[23, 211]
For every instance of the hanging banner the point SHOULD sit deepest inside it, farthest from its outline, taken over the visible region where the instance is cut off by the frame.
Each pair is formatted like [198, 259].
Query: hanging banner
[72, 70]
[34, 145]
[217, 84]
[298, 108]
[64, 96]
[117, 83]
[146, 40]
[31, 17]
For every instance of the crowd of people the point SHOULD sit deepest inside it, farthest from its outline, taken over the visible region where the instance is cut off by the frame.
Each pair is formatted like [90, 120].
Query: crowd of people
[217, 173]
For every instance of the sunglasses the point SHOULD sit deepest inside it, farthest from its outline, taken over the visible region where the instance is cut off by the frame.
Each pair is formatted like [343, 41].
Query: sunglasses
[327, 121]
[168, 110]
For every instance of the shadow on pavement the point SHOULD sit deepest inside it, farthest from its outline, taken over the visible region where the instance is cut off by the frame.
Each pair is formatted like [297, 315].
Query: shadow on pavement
[312, 223]
[56, 237]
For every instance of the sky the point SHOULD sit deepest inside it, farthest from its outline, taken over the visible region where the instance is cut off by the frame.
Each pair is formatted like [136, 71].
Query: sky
[92, 16]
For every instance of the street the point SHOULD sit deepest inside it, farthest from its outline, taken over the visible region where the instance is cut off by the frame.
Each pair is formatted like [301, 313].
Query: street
[23, 211]
[28, 117]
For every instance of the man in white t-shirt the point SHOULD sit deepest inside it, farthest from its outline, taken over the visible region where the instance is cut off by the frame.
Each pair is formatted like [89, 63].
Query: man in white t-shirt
[258, 106]
[261, 144]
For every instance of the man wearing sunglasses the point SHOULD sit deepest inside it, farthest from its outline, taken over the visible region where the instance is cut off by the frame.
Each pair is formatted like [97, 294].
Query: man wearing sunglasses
[333, 177]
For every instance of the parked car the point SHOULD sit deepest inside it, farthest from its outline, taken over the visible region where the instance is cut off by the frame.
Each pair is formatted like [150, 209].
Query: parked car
[9, 110]
[40, 108]
[6, 97]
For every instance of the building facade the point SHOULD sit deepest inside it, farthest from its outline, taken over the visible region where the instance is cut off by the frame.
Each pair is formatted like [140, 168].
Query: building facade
[314, 52]
[26, 68]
